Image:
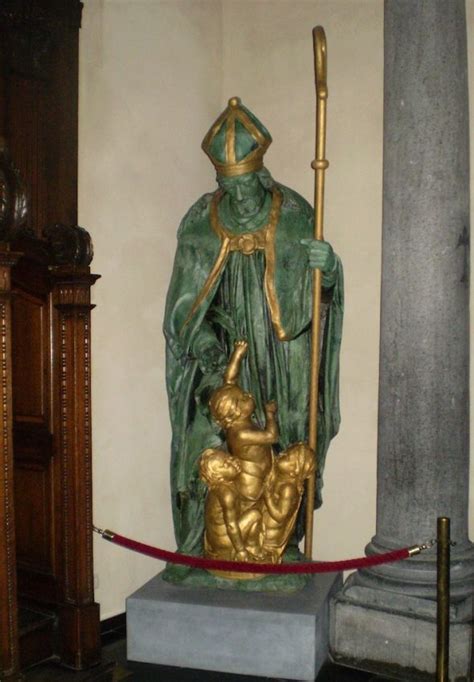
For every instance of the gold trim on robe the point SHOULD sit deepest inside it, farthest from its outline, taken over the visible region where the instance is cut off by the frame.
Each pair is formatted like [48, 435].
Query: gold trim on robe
[247, 243]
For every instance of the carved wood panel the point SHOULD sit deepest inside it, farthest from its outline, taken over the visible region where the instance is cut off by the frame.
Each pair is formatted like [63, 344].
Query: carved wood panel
[34, 468]
[27, 141]
[30, 358]
[45, 459]
[33, 520]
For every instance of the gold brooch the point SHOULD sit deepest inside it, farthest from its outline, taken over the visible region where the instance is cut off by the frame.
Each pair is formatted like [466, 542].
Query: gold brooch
[247, 244]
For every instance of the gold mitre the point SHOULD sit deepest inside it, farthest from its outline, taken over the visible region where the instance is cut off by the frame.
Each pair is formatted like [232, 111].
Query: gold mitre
[237, 141]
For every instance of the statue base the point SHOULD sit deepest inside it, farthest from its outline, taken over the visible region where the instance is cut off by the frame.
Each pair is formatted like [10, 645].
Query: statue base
[245, 582]
[282, 635]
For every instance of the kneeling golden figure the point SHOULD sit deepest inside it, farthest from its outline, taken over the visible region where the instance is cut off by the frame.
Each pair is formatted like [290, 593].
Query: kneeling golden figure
[282, 498]
[253, 496]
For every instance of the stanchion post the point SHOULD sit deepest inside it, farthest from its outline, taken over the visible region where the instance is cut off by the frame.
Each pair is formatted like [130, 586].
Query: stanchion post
[442, 639]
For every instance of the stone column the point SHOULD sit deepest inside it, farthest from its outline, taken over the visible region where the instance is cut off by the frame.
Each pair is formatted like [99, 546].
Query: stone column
[423, 437]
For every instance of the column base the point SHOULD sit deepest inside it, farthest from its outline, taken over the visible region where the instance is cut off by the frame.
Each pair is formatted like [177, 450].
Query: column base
[377, 630]
[417, 576]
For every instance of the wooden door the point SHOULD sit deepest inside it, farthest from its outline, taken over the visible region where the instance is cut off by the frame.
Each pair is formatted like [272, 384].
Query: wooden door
[34, 461]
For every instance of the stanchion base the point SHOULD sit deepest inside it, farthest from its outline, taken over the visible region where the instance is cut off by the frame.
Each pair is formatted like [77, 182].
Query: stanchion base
[282, 635]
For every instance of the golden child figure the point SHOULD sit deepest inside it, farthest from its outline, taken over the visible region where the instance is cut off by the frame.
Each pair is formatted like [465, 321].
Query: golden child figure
[282, 497]
[230, 533]
[232, 408]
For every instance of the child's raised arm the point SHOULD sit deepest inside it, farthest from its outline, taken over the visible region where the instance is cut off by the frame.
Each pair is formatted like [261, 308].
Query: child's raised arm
[233, 368]
[266, 436]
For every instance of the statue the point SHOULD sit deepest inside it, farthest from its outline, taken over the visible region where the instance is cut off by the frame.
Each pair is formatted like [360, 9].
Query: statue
[243, 270]
[253, 498]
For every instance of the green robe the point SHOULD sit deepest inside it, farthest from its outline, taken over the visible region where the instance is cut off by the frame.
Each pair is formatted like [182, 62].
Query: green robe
[235, 306]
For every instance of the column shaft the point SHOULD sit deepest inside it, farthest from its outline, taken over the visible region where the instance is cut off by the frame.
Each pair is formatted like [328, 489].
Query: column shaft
[385, 616]
[423, 438]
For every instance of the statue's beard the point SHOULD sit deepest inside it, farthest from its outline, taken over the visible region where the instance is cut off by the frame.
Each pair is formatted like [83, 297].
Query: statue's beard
[247, 208]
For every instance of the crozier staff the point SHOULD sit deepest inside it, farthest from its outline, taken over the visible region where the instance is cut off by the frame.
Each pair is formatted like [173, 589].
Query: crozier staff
[320, 164]
[243, 270]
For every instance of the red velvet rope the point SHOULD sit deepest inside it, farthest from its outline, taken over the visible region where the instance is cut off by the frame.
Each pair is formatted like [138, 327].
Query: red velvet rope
[247, 567]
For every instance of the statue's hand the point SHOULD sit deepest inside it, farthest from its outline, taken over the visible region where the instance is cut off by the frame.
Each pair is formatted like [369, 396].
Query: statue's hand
[243, 555]
[271, 408]
[320, 255]
[241, 346]
[257, 554]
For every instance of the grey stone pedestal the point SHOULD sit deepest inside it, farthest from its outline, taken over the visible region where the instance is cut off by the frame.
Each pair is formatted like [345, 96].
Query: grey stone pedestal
[268, 634]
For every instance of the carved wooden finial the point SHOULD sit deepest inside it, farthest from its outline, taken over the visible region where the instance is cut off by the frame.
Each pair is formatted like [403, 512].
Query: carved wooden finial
[69, 244]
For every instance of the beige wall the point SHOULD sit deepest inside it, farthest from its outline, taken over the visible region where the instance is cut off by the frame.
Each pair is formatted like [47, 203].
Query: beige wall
[154, 75]
[148, 90]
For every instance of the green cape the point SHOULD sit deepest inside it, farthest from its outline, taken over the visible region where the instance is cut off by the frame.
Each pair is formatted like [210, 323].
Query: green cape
[235, 305]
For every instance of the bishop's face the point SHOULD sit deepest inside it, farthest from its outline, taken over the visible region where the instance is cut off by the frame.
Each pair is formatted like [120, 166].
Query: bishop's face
[246, 194]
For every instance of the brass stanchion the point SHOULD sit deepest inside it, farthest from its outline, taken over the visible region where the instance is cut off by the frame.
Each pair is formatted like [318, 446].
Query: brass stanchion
[443, 571]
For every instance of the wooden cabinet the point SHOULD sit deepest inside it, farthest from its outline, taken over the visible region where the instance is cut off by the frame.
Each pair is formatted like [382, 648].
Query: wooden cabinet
[46, 574]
